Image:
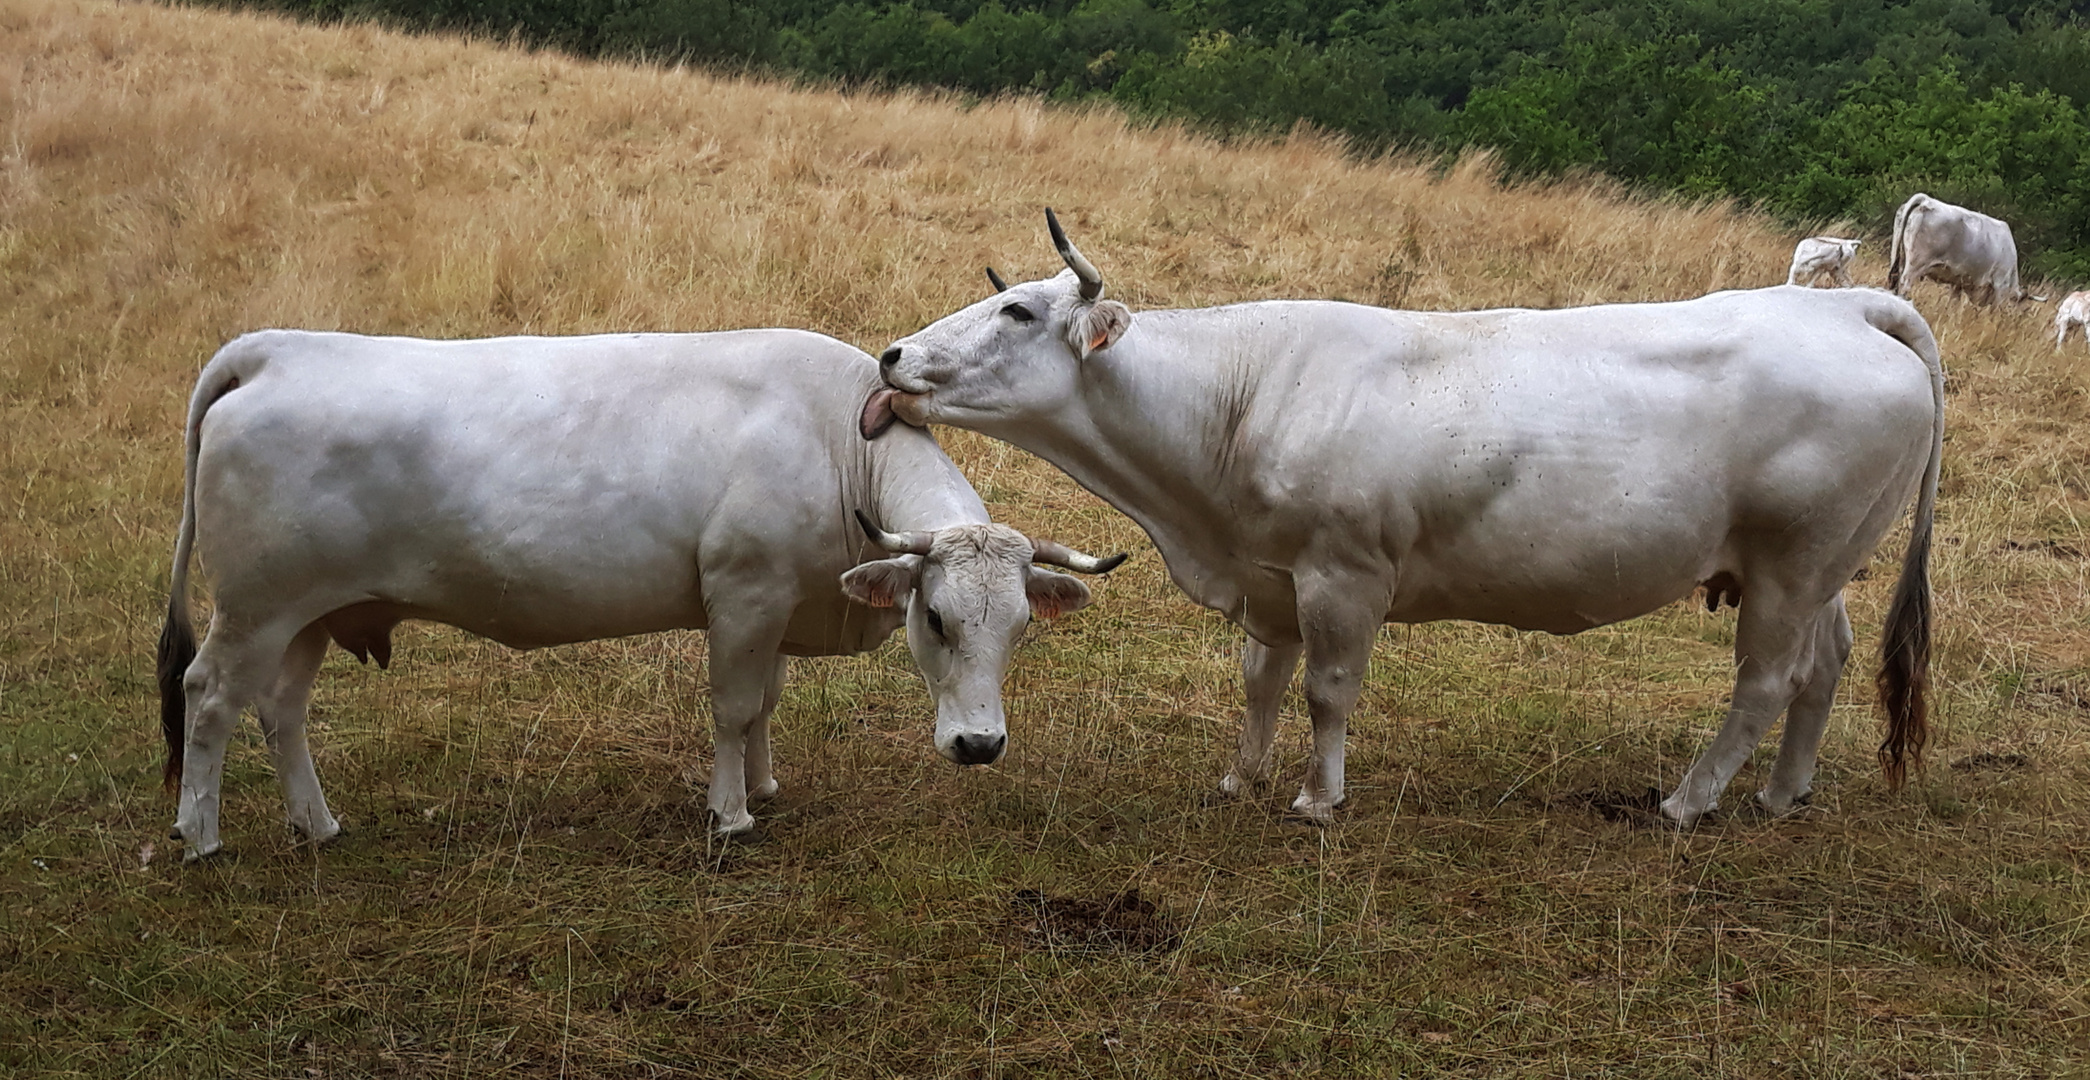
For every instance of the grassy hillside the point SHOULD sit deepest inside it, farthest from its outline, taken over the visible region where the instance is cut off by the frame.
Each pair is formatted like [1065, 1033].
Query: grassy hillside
[527, 886]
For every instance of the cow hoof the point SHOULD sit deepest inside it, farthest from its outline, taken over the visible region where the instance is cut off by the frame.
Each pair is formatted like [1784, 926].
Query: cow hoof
[765, 791]
[1779, 808]
[199, 852]
[1233, 787]
[1683, 817]
[316, 832]
[733, 824]
[1314, 811]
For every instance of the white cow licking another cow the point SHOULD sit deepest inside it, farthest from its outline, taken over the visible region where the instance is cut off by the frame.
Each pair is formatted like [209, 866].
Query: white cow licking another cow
[539, 491]
[1819, 255]
[1314, 469]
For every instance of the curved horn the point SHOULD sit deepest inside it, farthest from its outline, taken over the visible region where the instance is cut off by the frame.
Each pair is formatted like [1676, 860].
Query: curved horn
[907, 543]
[995, 280]
[1058, 554]
[1091, 281]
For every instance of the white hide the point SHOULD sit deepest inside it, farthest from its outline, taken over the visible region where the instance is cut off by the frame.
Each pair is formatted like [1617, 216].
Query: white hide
[1819, 255]
[1314, 469]
[1970, 251]
[539, 491]
[2073, 314]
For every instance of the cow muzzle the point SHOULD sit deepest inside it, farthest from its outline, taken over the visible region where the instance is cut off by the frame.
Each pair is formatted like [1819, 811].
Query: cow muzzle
[976, 749]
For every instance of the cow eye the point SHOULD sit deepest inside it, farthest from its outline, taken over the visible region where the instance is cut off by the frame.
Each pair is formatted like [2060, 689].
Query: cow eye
[1019, 313]
[935, 622]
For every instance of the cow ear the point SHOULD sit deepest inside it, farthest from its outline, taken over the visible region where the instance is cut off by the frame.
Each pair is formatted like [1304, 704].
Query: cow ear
[1053, 595]
[881, 583]
[1101, 326]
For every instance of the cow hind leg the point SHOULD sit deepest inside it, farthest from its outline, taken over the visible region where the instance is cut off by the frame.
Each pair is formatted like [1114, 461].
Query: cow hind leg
[282, 712]
[1792, 778]
[761, 781]
[1774, 661]
[1266, 672]
[231, 671]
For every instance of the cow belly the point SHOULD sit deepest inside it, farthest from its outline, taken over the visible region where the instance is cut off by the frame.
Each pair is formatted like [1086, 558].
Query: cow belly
[1564, 592]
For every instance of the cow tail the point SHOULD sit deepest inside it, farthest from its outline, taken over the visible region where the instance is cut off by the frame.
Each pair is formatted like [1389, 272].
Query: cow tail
[1897, 249]
[1904, 675]
[178, 636]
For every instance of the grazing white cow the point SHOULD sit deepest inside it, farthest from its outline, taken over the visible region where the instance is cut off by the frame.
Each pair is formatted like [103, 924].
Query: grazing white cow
[539, 491]
[1968, 250]
[2073, 314]
[1313, 469]
[1818, 255]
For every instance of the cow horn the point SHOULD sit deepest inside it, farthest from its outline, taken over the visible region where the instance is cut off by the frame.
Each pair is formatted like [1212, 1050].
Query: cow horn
[907, 543]
[1058, 554]
[1091, 281]
[995, 280]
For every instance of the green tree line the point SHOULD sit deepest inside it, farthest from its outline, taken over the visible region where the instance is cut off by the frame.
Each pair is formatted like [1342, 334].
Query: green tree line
[1813, 109]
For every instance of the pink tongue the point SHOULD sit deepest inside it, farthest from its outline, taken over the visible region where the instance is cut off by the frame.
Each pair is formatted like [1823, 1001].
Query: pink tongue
[878, 413]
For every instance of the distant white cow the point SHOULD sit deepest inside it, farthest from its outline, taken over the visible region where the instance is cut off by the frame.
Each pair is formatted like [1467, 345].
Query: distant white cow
[539, 491]
[1314, 469]
[2073, 314]
[1968, 250]
[1818, 255]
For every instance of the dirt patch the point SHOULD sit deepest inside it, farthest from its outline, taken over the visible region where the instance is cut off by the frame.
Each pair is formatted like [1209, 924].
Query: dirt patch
[1996, 762]
[1120, 922]
[1642, 808]
[2052, 547]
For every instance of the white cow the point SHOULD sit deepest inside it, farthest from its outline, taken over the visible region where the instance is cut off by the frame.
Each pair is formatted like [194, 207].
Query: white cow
[1818, 255]
[2073, 314]
[539, 491]
[1968, 250]
[1313, 469]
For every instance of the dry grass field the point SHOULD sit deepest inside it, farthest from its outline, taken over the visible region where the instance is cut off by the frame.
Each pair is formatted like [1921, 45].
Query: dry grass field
[527, 886]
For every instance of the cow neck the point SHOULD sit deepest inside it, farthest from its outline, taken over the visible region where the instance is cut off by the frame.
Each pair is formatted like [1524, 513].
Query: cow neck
[1149, 433]
[914, 486]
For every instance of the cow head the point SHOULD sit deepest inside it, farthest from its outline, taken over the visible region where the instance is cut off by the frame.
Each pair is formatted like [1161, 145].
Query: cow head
[1016, 354]
[969, 591]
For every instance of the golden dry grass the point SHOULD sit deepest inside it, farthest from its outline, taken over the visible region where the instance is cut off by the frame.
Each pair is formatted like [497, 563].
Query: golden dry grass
[527, 886]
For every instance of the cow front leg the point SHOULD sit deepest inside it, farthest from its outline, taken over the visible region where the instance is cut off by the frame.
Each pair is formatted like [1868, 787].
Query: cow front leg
[1339, 631]
[1792, 778]
[229, 672]
[283, 711]
[761, 780]
[743, 665]
[1774, 660]
[1266, 672]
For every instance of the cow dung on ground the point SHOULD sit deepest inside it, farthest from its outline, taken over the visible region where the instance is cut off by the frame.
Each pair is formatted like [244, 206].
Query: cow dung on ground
[1118, 922]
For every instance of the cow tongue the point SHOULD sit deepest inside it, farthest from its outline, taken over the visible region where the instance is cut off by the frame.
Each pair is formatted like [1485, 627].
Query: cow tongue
[883, 407]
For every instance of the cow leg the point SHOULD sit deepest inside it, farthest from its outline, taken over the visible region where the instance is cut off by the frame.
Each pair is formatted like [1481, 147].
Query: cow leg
[1339, 633]
[1843, 277]
[282, 712]
[744, 664]
[1792, 778]
[1266, 672]
[1774, 660]
[229, 672]
[761, 782]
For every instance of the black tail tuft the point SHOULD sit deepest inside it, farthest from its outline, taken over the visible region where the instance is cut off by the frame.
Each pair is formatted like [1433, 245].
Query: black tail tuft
[177, 652]
[1905, 666]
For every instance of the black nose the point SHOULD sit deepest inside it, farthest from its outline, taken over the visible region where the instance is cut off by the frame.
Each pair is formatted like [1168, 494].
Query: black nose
[889, 357]
[978, 749]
